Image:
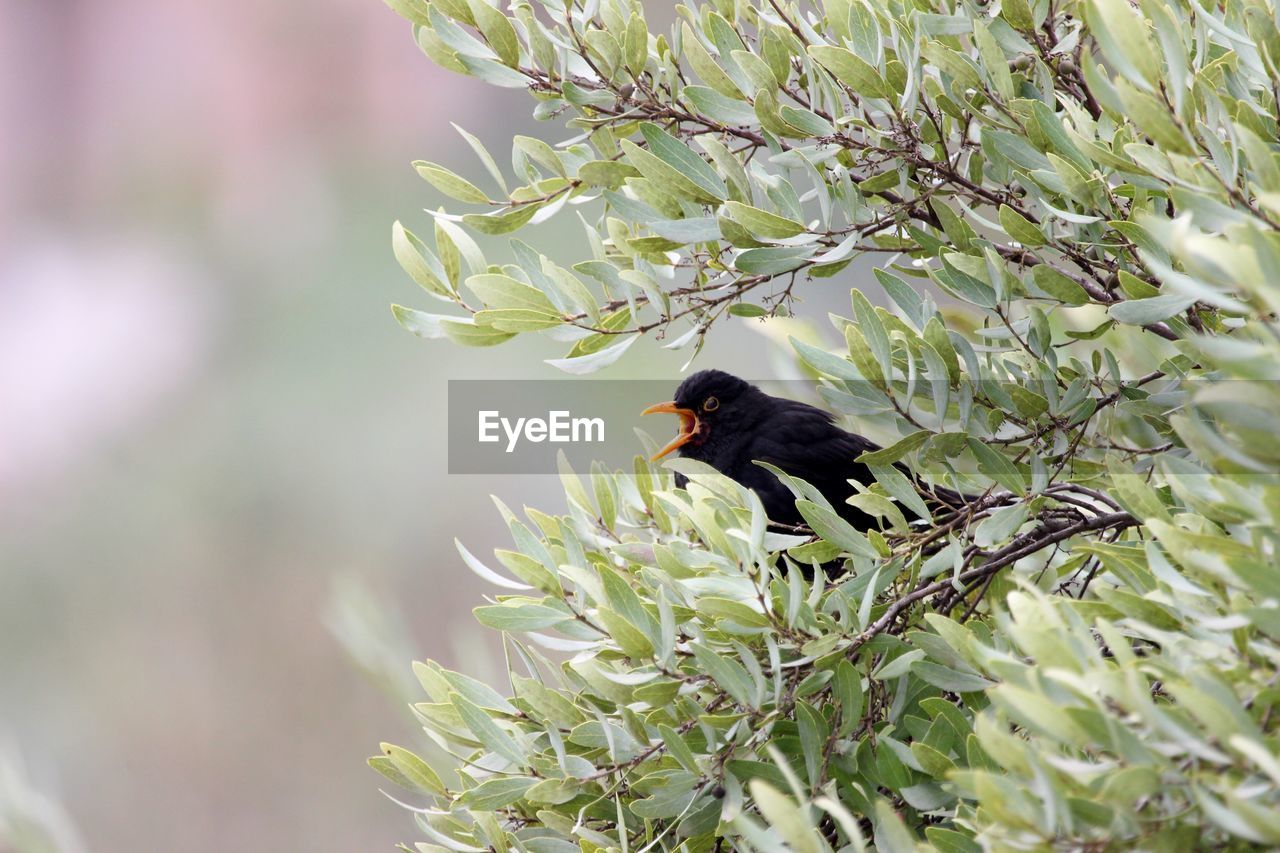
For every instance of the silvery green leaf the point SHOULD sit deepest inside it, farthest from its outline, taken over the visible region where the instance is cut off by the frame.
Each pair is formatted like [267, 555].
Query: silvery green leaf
[700, 230]
[520, 616]
[420, 323]
[1122, 35]
[1001, 524]
[584, 364]
[1141, 312]
[997, 466]
[681, 158]
[484, 571]
[825, 362]
[771, 261]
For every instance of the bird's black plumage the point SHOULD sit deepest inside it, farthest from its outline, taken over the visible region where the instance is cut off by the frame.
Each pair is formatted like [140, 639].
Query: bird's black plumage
[730, 424]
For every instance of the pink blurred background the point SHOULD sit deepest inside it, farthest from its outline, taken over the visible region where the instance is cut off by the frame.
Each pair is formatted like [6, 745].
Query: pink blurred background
[207, 415]
[217, 450]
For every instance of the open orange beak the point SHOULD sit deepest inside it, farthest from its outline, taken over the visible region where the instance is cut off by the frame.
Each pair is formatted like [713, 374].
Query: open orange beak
[688, 426]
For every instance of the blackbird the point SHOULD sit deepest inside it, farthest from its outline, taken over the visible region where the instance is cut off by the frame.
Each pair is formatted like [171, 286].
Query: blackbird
[729, 424]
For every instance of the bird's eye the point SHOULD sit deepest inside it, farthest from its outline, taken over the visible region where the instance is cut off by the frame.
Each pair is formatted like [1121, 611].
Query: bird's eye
[710, 404]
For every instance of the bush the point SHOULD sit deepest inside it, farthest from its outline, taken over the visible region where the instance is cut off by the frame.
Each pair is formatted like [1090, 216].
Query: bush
[1087, 656]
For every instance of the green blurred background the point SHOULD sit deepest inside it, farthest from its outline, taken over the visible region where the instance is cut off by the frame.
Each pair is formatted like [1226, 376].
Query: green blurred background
[217, 449]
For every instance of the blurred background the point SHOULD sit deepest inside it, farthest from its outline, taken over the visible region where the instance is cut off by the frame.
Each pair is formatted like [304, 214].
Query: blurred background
[218, 452]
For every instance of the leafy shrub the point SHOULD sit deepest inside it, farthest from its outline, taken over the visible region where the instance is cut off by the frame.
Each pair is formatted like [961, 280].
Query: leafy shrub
[1087, 656]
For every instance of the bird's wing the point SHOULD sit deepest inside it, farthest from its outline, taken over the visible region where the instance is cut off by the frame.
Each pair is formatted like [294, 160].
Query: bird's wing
[803, 441]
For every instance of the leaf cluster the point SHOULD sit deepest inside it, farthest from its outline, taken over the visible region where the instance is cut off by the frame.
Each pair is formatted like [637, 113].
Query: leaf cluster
[1086, 655]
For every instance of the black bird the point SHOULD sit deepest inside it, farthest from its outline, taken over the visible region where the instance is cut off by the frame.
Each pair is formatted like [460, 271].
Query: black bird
[729, 424]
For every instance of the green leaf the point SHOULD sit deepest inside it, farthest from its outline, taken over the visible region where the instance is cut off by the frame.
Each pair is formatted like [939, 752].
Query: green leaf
[825, 362]
[813, 739]
[407, 770]
[633, 643]
[1051, 125]
[467, 332]
[1053, 283]
[872, 330]
[756, 70]
[624, 599]
[520, 616]
[848, 692]
[502, 222]
[709, 102]
[935, 334]
[705, 66]
[993, 60]
[1028, 403]
[421, 323]
[1092, 334]
[437, 51]
[538, 152]
[1018, 14]
[592, 361]
[886, 180]
[516, 320]
[949, 679]
[786, 817]
[949, 840]
[897, 450]
[768, 113]
[964, 284]
[1122, 35]
[636, 44]
[1134, 287]
[498, 31]
[806, 121]
[450, 184]
[1137, 495]
[836, 530]
[934, 762]
[898, 486]
[419, 262]
[496, 793]
[1154, 118]
[679, 749]
[606, 173]
[898, 667]
[477, 691]
[892, 835]
[501, 291]
[726, 672]
[1016, 150]
[457, 10]
[997, 466]
[1141, 312]
[1020, 228]
[414, 11]
[771, 261]
[873, 370]
[1001, 524]
[762, 223]
[667, 176]
[679, 156]
[488, 732]
[851, 70]
[454, 246]
[483, 154]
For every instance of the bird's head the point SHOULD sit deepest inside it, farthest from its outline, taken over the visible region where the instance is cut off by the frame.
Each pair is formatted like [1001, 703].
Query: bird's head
[713, 407]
